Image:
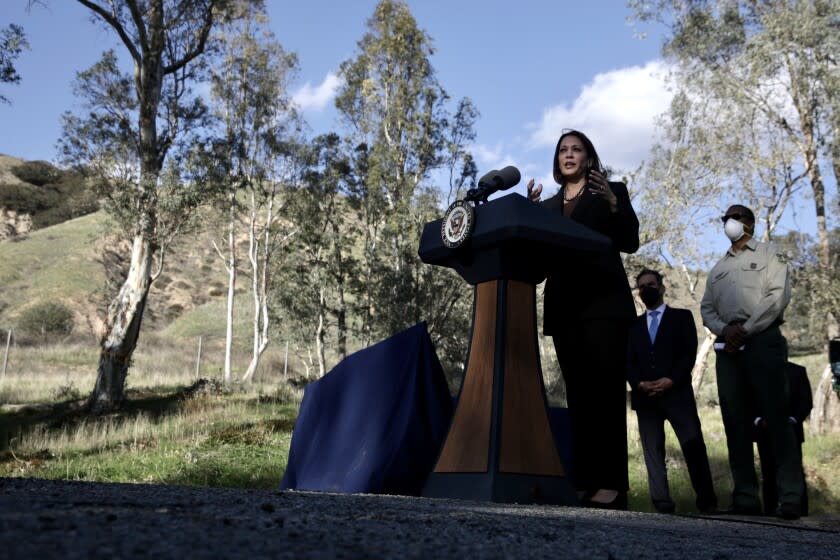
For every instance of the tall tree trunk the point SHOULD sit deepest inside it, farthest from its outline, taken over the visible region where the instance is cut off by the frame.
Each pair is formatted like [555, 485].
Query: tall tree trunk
[701, 361]
[259, 257]
[833, 319]
[122, 329]
[144, 30]
[231, 266]
[812, 167]
[818, 188]
[125, 314]
[341, 323]
[253, 257]
[320, 334]
[341, 311]
[826, 414]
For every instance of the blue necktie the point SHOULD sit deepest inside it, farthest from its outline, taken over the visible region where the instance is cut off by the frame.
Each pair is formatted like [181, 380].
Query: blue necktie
[654, 324]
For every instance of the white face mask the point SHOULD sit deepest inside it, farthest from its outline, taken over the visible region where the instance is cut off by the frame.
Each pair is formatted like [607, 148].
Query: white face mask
[734, 229]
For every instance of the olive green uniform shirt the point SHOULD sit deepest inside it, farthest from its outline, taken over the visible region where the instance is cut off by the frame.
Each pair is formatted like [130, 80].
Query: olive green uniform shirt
[752, 285]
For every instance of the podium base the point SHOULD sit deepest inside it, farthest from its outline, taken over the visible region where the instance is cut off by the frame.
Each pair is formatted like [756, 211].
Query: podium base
[501, 487]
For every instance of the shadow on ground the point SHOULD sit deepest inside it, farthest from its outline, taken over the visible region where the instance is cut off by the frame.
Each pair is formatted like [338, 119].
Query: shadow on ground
[17, 420]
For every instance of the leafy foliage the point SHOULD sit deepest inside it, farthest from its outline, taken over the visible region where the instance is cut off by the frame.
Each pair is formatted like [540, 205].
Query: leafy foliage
[322, 263]
[50, 195]
[38, 173]
[251, 158]
[400, 134]
[12, 43]
[47, 319]
[805, 321]
[132, 136]
[760, 119]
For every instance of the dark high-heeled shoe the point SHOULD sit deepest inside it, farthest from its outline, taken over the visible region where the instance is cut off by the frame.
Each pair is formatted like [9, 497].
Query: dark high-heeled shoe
[617, 503]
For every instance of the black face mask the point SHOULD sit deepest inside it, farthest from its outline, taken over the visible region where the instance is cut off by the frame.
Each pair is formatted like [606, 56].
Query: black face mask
[649, 295]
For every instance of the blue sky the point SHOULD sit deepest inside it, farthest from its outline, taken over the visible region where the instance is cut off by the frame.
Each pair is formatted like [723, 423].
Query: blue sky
[532, 68]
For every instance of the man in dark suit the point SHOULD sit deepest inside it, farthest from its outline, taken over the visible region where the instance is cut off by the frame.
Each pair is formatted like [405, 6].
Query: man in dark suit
[660, 356]
[801, 403]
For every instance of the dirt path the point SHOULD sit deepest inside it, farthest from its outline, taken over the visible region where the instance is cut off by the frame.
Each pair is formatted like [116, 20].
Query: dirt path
[54, 519]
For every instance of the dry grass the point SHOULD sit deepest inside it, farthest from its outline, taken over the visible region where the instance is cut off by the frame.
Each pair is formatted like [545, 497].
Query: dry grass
[67, 369]
[241, 437]
[238, 436]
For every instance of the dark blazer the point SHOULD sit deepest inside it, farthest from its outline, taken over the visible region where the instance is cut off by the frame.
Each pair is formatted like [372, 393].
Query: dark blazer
[672, 355]
[801, 400]
[593, 285]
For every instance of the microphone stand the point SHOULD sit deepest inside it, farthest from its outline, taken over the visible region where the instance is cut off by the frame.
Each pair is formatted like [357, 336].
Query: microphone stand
[479, 195]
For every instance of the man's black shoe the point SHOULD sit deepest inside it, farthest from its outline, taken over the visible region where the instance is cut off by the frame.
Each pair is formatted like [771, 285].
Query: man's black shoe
[708, 505]
[737, 509]
[665, 507]
[788, 511]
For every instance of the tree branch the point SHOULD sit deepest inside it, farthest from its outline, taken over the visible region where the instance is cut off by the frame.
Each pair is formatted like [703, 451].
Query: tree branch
[198, 49]
[117, 25]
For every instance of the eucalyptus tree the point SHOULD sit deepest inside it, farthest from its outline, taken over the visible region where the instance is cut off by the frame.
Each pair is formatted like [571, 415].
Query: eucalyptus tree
[12, 43]
[774, 64]
[322, 264]
[777, 58]
[711, 151]
[256, 121]
[402, 132]
[459, 162]
[667, 188]
[132, 125]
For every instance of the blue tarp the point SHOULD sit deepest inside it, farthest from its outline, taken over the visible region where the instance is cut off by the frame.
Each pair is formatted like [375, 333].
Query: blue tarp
[375, 422]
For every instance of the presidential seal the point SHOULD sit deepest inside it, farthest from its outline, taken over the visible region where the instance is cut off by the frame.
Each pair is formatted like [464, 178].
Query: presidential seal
[458, 224]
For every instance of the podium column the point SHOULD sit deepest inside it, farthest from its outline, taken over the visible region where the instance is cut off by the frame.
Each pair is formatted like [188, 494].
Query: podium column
[500, 446]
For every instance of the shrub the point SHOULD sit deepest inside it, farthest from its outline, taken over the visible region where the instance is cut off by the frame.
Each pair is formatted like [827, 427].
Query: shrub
[37, 173]
[67, 198]
[283, 394]
[24, 198]
[47, 319]
[50, 196]
[66, 392]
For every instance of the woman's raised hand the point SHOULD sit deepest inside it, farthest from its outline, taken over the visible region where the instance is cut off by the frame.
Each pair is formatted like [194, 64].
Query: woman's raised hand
[601, 187]
[534, 193]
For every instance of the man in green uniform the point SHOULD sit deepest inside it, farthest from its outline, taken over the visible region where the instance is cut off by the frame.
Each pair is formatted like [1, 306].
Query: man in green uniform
[746, 294]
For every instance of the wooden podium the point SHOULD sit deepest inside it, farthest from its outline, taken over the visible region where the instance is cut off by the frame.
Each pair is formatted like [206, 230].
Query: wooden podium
[500, 446]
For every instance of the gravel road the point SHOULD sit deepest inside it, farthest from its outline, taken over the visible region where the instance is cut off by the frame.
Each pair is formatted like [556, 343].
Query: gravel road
[55, 519]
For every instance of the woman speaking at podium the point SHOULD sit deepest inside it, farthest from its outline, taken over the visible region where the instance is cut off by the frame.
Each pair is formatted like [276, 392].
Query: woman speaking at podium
[588, 310]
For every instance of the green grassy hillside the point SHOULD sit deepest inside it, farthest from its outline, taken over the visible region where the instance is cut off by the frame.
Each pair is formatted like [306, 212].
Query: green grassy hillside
[55, 263]
[64, 263]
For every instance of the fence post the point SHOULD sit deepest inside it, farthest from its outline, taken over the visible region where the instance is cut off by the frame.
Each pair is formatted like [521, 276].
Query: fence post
[198, 358]
[6, 355]
[286, 362]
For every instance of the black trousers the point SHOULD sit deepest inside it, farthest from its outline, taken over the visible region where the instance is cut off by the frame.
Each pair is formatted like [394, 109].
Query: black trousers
[769, 495]
[592, 355]
[681, 413]
[757, 375]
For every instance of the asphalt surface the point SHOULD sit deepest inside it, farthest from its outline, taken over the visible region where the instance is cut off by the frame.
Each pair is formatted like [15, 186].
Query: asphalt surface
[57, 519]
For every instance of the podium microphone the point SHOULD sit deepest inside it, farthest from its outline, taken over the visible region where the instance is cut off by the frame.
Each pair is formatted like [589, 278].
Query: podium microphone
[494, 181]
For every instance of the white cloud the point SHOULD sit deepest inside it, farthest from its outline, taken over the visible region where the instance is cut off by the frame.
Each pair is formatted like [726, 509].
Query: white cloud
[491, 157]
[616, 110]
[315, 99]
